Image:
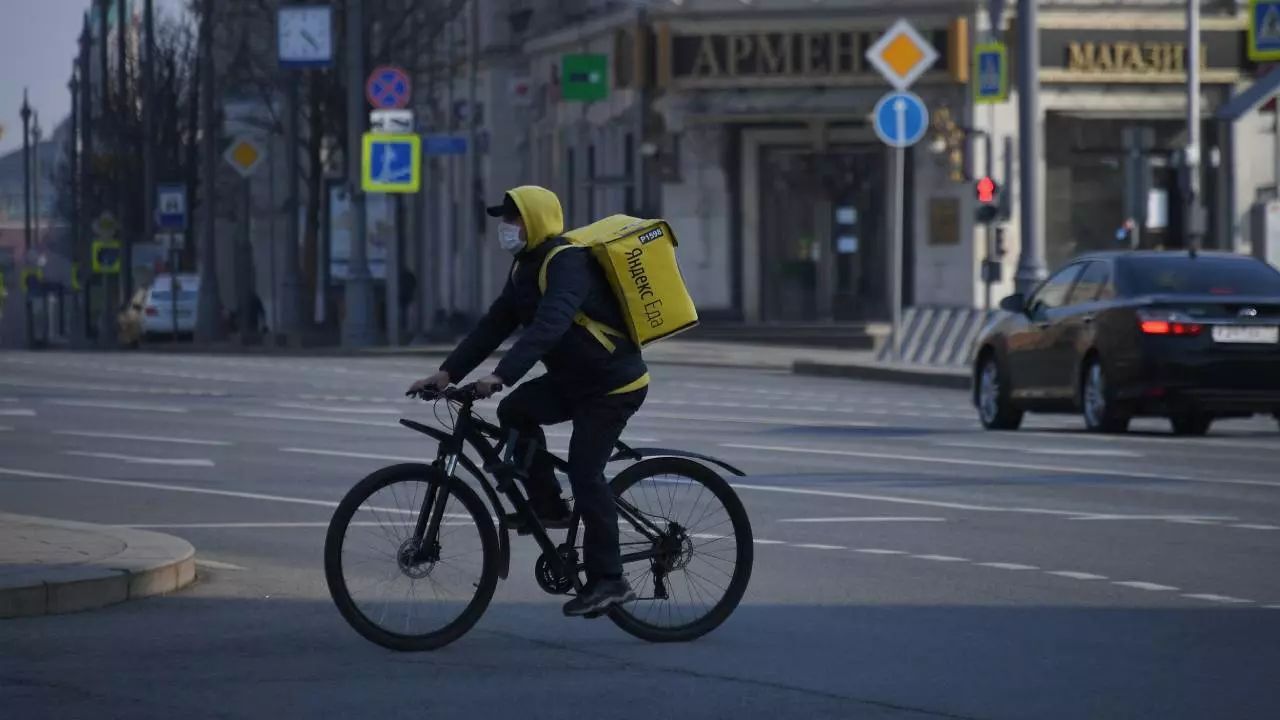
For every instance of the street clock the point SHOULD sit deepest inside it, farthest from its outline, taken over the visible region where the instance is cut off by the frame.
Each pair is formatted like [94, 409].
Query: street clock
[304, 35]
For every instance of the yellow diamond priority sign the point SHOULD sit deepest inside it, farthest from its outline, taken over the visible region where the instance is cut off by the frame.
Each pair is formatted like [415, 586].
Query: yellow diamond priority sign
[245, 155]
[901, 55]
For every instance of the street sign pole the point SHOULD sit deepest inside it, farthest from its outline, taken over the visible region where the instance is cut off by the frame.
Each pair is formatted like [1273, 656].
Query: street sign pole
[357, 325]
[901, 119]
[1031, 258]
[899, 192]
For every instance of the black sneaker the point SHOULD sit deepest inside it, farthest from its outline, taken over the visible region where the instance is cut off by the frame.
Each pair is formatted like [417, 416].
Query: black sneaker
[553, 514]
[598, 596]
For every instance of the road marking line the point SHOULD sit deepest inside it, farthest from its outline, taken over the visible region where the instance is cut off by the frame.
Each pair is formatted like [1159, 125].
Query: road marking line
[879, 551]
[941, 558]
[163, 486]
[862, 519]
[759, 541]
[21, 412]
[144, 438]
[309, 418]
[819, 546]
[901, 500]
[1042, 451]
[137, 460]
[355, 455]
[271, 525]
[1216, 598]
[5, 428]
[1155, 587]
[1252, 526]
[1272, 607]
[758, 420]
[1076, 575]
[366, 410]
[1185, 519]
[996, 463]
[195, 490]
[1008, 566]
[109, 405]
[215, 565]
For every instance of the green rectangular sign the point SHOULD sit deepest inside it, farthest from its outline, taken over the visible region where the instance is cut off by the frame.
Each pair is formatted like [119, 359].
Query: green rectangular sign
[584, 77]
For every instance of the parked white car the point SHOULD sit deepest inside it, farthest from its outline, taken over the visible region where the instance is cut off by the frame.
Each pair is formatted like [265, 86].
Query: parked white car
[158, 311]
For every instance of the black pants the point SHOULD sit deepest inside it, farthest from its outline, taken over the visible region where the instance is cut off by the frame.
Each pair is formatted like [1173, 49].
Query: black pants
[597, 424]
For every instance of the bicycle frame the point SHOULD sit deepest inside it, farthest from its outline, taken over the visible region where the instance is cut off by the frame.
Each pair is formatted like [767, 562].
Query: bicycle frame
[472, 430]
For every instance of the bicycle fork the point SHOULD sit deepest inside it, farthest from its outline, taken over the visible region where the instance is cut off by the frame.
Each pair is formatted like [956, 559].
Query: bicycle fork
[426, 531]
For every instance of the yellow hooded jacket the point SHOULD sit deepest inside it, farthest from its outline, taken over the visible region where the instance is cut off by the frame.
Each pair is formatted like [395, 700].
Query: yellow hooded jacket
[577, 362]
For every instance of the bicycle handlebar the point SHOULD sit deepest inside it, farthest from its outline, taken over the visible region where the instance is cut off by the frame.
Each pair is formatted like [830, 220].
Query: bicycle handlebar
[463, 393]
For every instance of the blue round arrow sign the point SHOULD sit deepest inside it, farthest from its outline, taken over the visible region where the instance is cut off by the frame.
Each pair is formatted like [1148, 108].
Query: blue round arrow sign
[901, 119]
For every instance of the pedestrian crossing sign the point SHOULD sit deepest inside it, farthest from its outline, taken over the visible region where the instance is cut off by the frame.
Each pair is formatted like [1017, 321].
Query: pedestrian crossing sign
[1264, 30]
[106, 257]
[391, 163]
[990, 73]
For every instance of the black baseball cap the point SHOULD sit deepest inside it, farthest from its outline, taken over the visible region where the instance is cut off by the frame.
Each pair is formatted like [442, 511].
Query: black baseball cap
[507, 208]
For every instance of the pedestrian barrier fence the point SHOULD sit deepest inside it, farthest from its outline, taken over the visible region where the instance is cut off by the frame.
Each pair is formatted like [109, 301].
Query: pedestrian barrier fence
[939, 336]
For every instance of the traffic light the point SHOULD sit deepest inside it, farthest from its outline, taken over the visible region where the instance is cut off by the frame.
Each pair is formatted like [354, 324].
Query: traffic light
[988, 199]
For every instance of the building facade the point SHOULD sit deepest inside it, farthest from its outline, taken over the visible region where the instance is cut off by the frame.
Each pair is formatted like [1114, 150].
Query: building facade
[746, 126]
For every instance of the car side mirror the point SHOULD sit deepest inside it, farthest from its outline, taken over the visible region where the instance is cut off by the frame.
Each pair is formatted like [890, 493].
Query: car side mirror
[1015, 303]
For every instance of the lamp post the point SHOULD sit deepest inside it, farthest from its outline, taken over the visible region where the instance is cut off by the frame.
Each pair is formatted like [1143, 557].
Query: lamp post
[26, 171]
[77, 213]
[36, 136]
[26, 215]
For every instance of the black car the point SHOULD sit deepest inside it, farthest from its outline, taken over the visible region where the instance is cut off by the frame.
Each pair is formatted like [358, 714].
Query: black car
[1189, 336]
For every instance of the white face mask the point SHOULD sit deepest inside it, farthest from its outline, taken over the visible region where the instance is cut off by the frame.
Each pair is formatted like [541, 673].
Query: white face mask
[509, 238]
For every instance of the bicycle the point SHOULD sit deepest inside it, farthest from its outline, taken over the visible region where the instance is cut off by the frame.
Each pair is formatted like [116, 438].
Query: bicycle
[445, 525]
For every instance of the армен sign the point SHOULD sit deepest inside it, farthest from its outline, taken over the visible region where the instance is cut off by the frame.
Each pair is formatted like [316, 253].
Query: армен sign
[811, 57]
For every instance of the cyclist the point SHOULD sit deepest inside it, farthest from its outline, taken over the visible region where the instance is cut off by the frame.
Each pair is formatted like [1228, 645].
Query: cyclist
[596, 380]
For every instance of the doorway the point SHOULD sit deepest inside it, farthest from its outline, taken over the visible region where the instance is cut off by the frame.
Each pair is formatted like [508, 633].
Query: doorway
[821, 233]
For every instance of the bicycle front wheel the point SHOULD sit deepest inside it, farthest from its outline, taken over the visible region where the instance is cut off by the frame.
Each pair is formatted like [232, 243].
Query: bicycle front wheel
[394, 585]
[705, 536]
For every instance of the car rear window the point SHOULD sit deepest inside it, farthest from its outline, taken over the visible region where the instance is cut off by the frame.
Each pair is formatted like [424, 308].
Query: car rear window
[1203, 275]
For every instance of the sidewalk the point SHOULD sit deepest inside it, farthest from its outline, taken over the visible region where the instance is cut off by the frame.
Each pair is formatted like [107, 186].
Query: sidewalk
[825, 362]
[56, 566]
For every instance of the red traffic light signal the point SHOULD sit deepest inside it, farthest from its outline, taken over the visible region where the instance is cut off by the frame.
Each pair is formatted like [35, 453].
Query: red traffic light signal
[986, 189]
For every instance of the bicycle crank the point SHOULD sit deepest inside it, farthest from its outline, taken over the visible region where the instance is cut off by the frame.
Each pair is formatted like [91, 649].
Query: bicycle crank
[551, 576]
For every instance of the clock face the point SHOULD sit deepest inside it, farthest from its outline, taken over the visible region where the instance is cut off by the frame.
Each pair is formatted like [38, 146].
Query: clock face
[305, 35]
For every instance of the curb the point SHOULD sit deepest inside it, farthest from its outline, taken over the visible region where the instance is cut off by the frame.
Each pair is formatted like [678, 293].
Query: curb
[150, 564]
[923, 376]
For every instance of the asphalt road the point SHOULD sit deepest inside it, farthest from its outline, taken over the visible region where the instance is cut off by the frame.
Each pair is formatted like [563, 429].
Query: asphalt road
[908, 564]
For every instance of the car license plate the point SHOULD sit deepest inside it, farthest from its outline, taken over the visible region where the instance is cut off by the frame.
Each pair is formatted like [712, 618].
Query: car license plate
[1259, 334]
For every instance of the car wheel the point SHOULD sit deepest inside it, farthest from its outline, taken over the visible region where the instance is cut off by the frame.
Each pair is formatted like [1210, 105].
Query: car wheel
[995, 409]
[1102, 413]
[1190, 423]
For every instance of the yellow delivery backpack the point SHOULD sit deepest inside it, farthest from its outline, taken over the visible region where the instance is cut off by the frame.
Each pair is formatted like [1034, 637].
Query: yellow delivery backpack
[639, 260]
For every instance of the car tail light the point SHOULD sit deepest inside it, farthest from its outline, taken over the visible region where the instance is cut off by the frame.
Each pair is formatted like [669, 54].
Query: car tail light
[1164, 327]
[152, 311]
[1167, 323]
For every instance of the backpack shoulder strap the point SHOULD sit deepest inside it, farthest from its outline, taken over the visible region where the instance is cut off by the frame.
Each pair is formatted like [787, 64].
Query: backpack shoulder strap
[598, 330]
[542, 271]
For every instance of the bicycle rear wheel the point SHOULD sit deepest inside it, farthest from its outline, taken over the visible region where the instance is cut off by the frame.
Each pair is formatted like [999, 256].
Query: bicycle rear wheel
[389, 592]
[705, 566]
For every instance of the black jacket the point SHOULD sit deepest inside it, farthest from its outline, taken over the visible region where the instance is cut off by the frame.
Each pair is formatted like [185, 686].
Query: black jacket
[576, 361]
